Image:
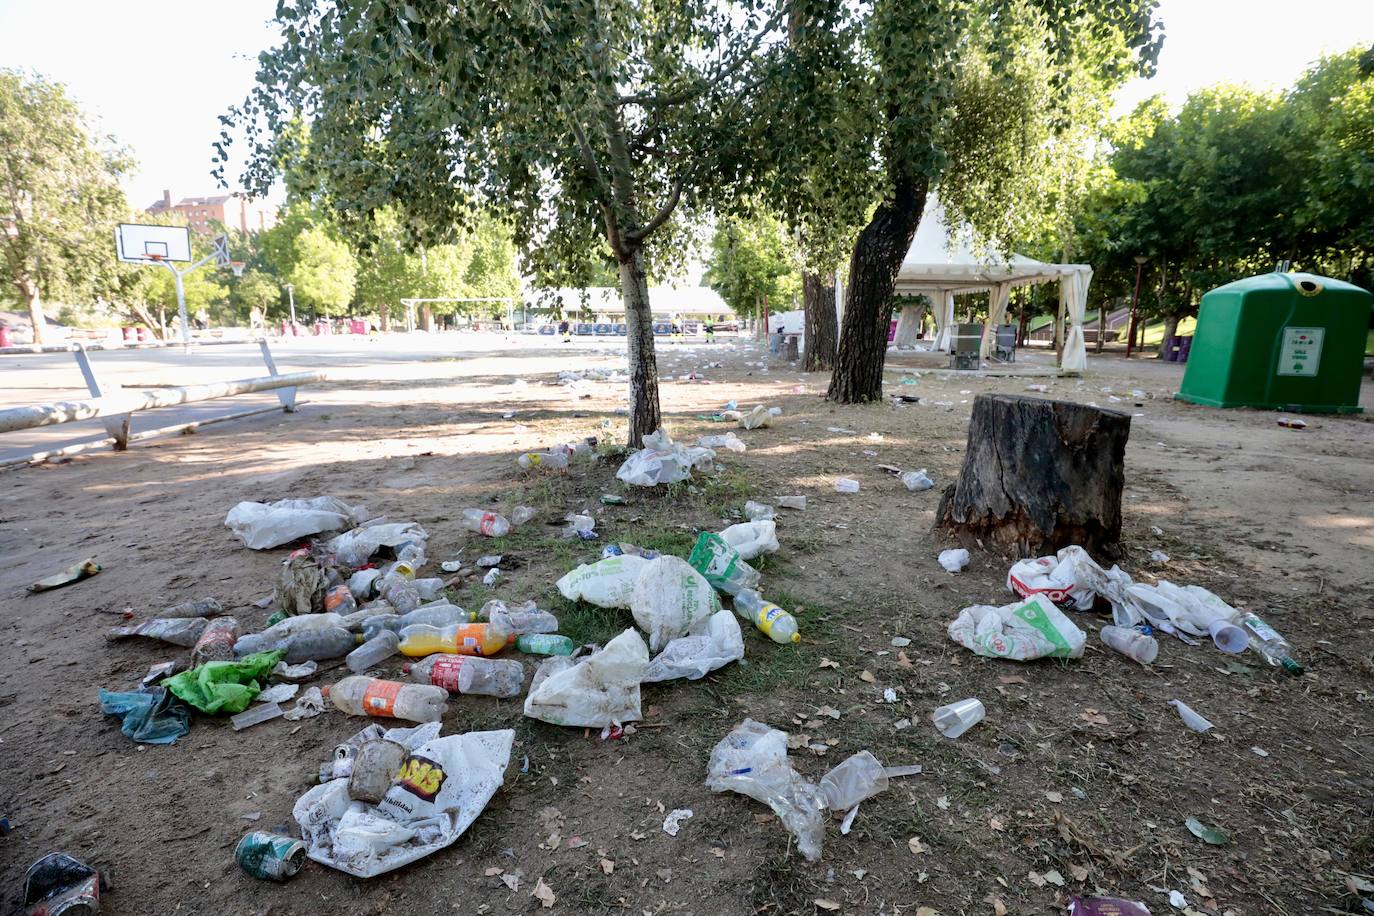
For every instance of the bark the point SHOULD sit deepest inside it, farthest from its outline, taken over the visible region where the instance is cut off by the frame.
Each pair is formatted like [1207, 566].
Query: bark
[426, 318]
[1039, 475]
[819, 325]
[1101, 327]
[1170, 329]
[1023, 330]
[639, 335]
[28, 291]
[384, 316]
[878, 253]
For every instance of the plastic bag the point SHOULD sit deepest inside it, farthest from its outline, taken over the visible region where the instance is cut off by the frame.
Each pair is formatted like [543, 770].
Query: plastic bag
[693, 657]
[954, 560]
[224, 686]
[752, 539]
[1189, 609]
[443, 785]
[595, 691]
[605, 583]
[264, 525]
[1023, 631]
[917, 480]
[758, 418]
[671, 599]
[663, 461]
[354, 548]
[752, 760]
[851, 781]
[729, 441]
[1071, 579]
[151, 716]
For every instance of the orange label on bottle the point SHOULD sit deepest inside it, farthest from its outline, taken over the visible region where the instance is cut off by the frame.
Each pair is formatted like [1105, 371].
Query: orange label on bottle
[380, 697]
[444, 673]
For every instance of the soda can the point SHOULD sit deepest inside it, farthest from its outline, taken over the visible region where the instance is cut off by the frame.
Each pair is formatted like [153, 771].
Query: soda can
[270, 856]
[58, 884]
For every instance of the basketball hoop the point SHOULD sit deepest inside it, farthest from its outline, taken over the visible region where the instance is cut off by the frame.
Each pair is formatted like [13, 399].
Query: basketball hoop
[155, 257]
[237, 268]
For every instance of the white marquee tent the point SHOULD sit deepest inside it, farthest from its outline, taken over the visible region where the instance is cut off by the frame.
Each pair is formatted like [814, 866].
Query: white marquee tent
[942, 265]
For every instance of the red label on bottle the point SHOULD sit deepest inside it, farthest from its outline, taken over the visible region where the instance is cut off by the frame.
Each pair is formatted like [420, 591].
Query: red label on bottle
[380, 697]
[444, 673]
[488, 523]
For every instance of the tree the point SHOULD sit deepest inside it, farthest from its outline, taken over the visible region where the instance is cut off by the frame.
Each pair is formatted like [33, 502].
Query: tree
[257, 289]
[59, 194]
[323, 271]
[753, 265]
[596, 127]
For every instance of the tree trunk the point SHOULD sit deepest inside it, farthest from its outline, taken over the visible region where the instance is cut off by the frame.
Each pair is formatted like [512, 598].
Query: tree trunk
[426, 318]
[819, 323]
[878, 253]
[1039, 475]
[1101, 327]
[28, 290]
[639, 334]
[384, 316]
[1170, 329]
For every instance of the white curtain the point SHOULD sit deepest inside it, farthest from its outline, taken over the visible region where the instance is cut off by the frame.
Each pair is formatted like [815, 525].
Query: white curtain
[998, 298]
[908, 324]
[1073, 290]
[944, 320]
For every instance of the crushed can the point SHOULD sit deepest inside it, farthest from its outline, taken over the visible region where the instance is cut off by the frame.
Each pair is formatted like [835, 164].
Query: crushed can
[270, 856]
[60, 885]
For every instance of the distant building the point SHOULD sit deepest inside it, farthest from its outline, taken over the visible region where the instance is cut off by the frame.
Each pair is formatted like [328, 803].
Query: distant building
[233, 210]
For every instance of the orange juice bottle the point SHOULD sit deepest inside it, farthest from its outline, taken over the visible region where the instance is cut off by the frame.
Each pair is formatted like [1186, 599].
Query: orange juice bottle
[460, 638]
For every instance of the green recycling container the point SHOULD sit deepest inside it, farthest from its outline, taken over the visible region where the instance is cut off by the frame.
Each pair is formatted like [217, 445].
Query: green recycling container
[1286, 341]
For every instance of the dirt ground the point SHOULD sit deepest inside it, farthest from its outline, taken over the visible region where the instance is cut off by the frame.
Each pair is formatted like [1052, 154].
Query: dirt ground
[1078, 781]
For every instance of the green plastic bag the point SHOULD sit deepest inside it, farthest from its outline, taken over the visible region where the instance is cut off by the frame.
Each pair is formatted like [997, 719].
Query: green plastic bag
[224, 686]
[721, 565]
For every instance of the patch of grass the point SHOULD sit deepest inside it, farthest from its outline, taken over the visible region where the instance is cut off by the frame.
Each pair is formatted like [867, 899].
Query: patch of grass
[585, 623]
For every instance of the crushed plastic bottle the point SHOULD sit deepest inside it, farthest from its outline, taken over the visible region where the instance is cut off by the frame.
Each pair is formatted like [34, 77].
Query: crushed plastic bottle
[489, 524]
[375, 650]
[772, 621]
[495, 677]
[759, 512]
[519, 619]
[721, 564]
[179, 631]
[369, 696]
[216, 643]
[917, 480]
[399, 592]
[201, 607]
[317, 645]
[522, 514]
[846, 485]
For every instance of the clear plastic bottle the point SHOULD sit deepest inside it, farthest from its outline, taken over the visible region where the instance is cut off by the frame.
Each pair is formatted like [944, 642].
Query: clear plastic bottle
[377, 649]
[772, 621]
[381, 623]
[492, 524]
[370, 696]
[460, 639]
[428, 589]
[1265, 640]
[520, 515]
[520, 619]
[339, 600]
[216, 643]
[544, 644]
[399, 592]
[179, 631]
[555, 460]
[1131, 643]
[277, 635]
[494, 677]
[317, 645]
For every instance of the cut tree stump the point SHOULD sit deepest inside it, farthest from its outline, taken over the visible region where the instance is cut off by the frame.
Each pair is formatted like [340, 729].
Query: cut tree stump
[1039, 475]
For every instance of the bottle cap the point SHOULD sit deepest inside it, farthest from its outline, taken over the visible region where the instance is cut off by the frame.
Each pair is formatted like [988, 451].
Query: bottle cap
[796, 637]
[405, 669]
[324, 691]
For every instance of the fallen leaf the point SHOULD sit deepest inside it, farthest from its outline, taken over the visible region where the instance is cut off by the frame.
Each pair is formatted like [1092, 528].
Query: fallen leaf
[942, 802]
[1093, 717]
[927, 911]
[1054, 877]
[867, 677]
[607, 866]
[830, 711]
[1011, 679]
[996, 824]
[717, 852]
[511, 881]
[824, 904]
[916, 846]
[1054, 797]
[1079, 872]
[903, 661]
[827, 663]
[544, 894]
[998, 907]
[1035, 879]
[493, 871]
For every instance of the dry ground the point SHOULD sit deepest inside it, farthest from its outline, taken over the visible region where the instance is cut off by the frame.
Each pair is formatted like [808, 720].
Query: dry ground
[1080, 778]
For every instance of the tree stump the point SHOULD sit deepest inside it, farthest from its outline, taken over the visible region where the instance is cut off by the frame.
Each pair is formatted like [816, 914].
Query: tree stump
[1039, 475]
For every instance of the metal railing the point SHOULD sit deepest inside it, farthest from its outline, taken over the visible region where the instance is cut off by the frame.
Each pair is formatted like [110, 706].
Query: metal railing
[116, 411]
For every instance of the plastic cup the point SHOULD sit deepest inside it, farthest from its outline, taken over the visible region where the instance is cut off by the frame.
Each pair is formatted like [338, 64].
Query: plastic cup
[956, 718]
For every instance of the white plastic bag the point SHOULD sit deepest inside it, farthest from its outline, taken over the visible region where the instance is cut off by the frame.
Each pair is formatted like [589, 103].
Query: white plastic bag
[693, 657]
[917, 480]
[729, 441]
[264, 525]
[1023, 631]
[758, 418]
[605, 583]
[353, 548]
[663, 461]
[598, 690]
[752, 539]
[954, 560]
[1071, 579]
[442, 786]
[671, 599]
[752, 760]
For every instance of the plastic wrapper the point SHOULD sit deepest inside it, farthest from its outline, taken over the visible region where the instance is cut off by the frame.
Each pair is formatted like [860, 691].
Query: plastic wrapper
[693, 657]
[151, 715]
[1070, 578]
[224, 686]
[752, 539]
[597, 690]
[606, 583]
[1185, 610]
[354, 548]
[671, 599]
[1022, 631]
[264, 525]
[443, 784]
[752, 760]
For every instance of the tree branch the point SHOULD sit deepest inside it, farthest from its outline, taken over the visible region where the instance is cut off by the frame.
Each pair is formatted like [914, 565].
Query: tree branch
[665, 211]
[654, 100]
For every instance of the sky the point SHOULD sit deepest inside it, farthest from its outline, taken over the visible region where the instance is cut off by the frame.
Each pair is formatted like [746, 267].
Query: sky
[158, 74]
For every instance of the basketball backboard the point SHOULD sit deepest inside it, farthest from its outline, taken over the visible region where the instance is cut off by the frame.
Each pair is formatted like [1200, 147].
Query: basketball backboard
[139, 244]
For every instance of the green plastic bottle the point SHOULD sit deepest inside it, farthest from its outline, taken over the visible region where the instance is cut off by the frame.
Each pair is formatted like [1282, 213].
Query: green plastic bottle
[544, 644]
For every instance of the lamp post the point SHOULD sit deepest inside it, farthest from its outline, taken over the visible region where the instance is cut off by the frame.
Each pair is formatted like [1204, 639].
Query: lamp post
[1140, 260]
[291, 297]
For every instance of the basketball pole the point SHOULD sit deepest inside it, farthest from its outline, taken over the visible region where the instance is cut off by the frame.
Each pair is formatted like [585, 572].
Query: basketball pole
[217, 256]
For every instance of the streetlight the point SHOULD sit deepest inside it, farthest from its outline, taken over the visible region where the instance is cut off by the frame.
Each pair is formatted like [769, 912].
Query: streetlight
[291, 296]
[1140, 260]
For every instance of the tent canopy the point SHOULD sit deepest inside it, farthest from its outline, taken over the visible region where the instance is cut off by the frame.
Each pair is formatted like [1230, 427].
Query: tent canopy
[942, 264]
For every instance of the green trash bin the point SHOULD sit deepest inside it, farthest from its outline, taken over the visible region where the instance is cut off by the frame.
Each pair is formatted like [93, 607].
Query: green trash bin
[1286, 341]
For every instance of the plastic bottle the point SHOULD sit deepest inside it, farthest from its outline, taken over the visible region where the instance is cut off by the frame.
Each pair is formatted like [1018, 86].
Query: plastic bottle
[494, 677]
[521, 514]
[1131, 643]
[276, 636]
[521, 619]
[544, 644]
[317, 645]
[179, 631]
[377, 649]
[462, 639]
[216, 643]
[339, 600]
[370, 696]
[399, 592]
[202, 607]
[491, 524]
[772, 621]
[428, 589]
[1265, 640]
[722, 565]
[555, 460]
